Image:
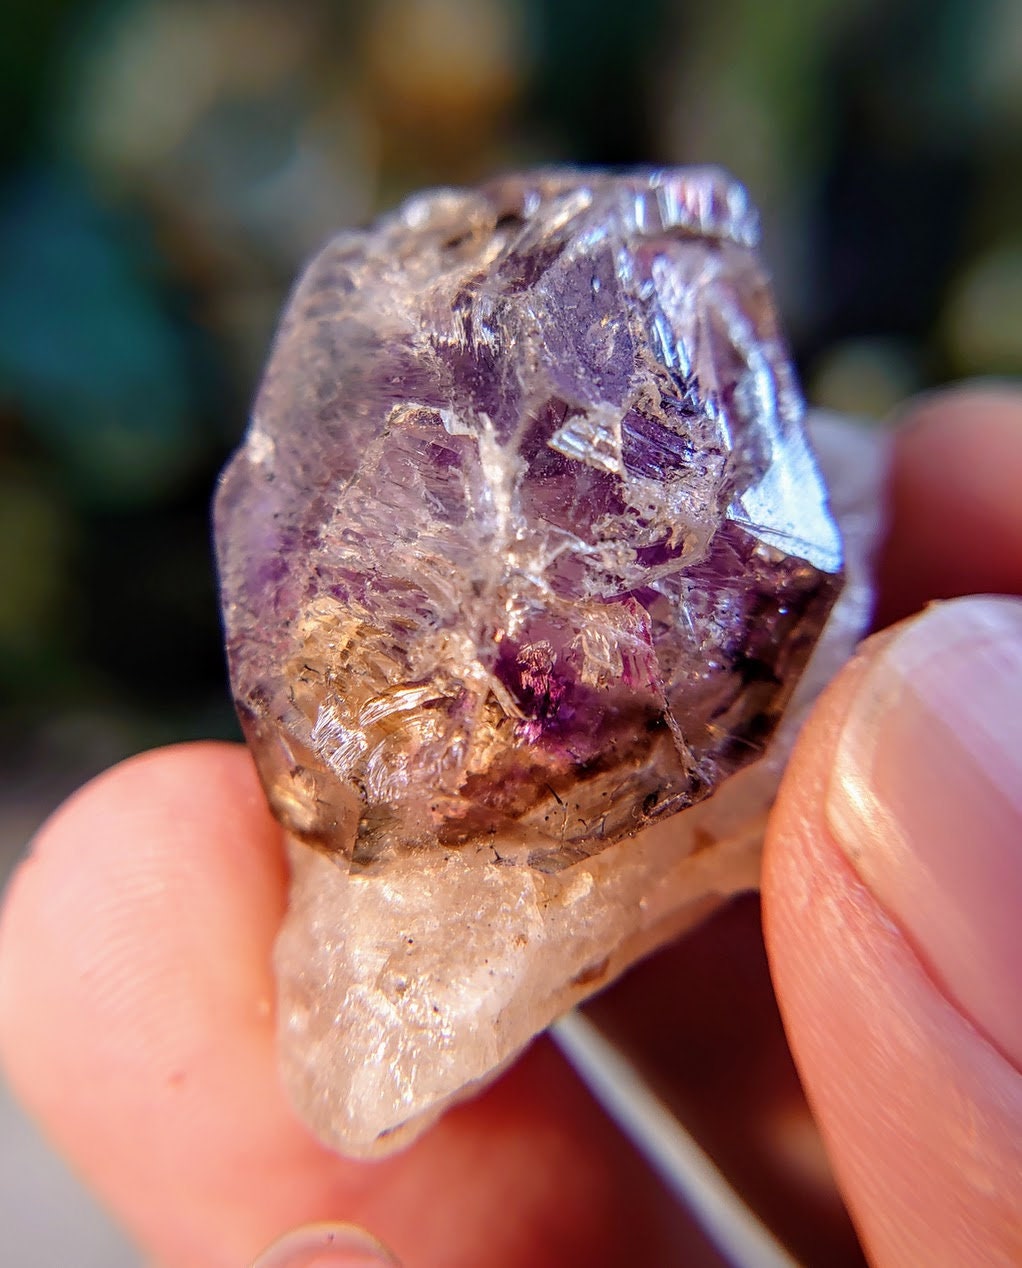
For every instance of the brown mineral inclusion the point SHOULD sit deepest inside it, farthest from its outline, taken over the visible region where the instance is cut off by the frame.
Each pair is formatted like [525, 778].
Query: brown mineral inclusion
[524, 552]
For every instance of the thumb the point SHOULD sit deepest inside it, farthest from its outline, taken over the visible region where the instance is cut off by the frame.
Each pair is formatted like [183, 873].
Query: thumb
[893, 908]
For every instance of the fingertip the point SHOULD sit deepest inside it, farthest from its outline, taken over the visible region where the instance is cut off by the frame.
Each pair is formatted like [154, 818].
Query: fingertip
[955, 514]
[922, 1113]
[207, 792]
[176, 836]
[134, 963]
[954, 405]
[327, 1245]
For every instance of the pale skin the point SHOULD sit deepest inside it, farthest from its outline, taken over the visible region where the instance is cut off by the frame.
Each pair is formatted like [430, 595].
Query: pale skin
[136, 996]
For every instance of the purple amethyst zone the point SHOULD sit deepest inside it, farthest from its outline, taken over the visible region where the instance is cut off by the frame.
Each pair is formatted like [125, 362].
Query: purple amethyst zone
[525, 544]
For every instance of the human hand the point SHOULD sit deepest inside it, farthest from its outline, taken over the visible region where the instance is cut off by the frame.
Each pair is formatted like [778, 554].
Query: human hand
[136, 994]
[892, 883]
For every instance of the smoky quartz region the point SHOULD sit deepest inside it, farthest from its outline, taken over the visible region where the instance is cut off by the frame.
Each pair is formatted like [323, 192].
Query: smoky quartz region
[524, 547]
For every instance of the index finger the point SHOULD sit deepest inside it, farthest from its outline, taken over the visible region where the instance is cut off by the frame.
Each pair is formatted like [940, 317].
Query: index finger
[136, 1022]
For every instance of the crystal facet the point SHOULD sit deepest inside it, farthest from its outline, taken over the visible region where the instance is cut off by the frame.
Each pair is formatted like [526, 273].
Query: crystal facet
[524, 552]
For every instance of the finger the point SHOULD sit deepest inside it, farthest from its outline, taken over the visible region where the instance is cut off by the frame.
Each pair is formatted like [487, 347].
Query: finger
[136, 1022]
[955, 510]
[892, 887]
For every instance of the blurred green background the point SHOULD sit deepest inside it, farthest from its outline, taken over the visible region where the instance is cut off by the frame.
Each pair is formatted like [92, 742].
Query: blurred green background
[167, 164]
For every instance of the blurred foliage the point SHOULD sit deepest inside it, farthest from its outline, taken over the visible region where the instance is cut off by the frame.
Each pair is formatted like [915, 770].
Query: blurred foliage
[89, 347]
[165, 165]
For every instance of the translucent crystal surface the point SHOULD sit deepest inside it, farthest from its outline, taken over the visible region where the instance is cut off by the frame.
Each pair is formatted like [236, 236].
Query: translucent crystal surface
[525, 546]
[525, 551]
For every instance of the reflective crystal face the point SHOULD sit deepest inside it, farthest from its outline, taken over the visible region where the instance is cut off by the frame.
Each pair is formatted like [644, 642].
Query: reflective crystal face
[525, 545]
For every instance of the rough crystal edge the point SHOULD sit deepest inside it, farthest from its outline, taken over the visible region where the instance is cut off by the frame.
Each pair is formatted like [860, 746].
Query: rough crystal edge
[705, 202]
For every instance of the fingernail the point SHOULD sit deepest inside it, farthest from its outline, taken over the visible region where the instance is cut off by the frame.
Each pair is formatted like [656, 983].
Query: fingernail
[925, 799]
[327, 1246]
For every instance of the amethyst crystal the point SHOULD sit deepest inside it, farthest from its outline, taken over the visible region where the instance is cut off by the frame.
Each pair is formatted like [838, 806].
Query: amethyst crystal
[524, 551]
[525, 546]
